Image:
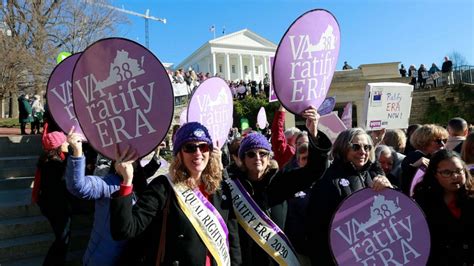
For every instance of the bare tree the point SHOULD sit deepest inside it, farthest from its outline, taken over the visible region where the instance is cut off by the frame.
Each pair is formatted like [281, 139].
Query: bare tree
[40, 29]
[458, 59]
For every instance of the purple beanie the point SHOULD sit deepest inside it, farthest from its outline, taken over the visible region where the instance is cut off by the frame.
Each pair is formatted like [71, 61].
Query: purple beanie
[253, 141]
[192, 131]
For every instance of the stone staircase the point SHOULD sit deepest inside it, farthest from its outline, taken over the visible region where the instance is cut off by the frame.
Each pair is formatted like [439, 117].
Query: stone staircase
[25, 235]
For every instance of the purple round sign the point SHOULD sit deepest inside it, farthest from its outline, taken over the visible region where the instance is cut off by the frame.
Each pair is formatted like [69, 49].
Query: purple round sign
[379, 228]
[212, 106]
[59, 94]
[262, 118]
[305, 60]
[327, 106]
[122, 95]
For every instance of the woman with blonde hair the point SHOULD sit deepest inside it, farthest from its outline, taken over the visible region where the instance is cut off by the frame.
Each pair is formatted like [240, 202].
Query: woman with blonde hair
[187, 214]
[426, 140]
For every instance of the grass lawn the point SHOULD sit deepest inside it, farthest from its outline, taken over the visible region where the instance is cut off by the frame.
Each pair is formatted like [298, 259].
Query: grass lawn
[9, 122]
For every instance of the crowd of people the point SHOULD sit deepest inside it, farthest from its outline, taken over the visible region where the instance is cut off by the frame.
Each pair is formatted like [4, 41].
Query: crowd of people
[419, 78]
[240, 89]
[293, 179]
[30, 111]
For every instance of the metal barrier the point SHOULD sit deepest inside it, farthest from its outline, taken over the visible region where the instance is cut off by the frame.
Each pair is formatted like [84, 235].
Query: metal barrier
[464, 74]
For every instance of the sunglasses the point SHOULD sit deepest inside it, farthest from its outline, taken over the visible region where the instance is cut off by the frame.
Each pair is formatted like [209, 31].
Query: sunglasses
[357, 147]
[252, 154]
[441, 141]
[192, 148]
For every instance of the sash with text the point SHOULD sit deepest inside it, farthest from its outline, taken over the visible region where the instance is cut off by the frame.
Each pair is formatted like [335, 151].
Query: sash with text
[260, 227]
[205, 219]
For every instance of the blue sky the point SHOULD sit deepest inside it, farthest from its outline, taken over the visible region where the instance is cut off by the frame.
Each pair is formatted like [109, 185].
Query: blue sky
[372, 31]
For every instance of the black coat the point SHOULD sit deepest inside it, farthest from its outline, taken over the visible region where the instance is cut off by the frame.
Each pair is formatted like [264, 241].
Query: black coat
[408, 171]
[183, 244]
[326, 195]
[452, 239]
[274, 189]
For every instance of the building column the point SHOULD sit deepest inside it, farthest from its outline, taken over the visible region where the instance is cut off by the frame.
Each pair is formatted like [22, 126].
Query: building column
[252, 73]
[214, 66]
[208, 64]
[241, 67]
[227, 67]
[265, 65]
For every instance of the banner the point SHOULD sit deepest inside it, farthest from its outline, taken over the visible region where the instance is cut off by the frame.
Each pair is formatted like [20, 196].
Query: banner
[305, 61]
[379, 228]
[331, 125]
[417, 178]
[212, 106]
[59, 94]
[122, 96]
[347, 115]
[272, 94]
[387, 105]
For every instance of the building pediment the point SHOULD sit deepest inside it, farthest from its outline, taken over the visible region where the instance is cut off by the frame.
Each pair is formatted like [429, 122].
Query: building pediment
[243, 38]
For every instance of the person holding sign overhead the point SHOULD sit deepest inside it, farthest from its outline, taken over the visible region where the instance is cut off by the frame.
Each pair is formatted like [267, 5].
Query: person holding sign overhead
[354, 168]
[187, 214]
[102, 249]
[446, 196]
[260, 194]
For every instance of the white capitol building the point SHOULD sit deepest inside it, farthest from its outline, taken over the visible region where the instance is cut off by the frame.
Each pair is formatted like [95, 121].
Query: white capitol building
[245, 55]
[241, 55]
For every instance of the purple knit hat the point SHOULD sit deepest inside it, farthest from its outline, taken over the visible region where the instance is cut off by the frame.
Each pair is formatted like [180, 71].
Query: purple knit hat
[192, 131]
[253, 141]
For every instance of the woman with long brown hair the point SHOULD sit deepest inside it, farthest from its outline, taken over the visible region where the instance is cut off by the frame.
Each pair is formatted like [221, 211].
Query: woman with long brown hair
[187, 214]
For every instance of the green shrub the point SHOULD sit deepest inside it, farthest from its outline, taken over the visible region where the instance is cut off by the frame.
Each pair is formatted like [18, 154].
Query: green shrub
[9, 122]
[249, 107]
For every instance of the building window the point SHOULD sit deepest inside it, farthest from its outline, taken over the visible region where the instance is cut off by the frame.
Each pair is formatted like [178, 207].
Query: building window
[256, 69]
[220, 68]
[246, 70]
[197, 68]
[233, 69]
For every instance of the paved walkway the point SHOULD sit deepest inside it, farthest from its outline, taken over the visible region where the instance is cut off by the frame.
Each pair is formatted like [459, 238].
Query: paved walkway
[6, 131]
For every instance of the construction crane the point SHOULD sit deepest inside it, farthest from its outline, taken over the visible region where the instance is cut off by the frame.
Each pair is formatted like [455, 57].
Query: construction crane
[146, 16]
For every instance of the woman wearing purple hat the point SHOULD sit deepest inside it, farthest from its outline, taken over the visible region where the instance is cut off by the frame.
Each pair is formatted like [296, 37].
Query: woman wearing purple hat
[259, 194]
[187, 214]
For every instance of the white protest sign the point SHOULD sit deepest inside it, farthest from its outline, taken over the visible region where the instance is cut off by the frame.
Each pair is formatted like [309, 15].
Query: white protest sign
[387, 105]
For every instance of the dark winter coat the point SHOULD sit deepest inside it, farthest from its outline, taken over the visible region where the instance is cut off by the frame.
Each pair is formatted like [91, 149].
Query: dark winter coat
[25, 111]
[452, 239]
[183, 244]
[408, 171]
[274, 189]
[340, 180]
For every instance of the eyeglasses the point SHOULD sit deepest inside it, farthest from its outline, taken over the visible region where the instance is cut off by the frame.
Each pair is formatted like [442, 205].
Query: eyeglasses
[252, 154]
[446, 173]
[441, 141]
[357, 147]
[192, 148]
